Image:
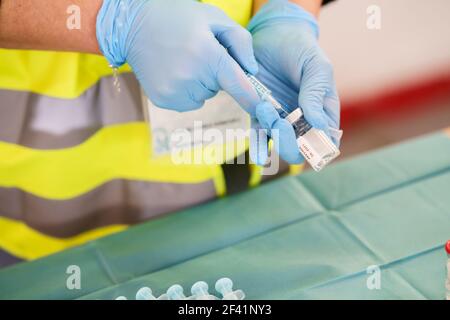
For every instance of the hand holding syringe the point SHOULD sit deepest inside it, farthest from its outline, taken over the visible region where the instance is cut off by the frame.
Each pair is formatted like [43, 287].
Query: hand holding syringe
[315, 146]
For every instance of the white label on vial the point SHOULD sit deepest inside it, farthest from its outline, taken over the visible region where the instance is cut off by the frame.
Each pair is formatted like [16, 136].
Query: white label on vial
[309, 153]
[317, 148]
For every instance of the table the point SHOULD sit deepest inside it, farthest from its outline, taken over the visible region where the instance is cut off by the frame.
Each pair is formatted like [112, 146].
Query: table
[314, 236]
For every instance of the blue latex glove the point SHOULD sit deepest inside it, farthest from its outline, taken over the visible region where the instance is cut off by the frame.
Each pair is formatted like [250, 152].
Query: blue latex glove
[296, 70]
[182, 51]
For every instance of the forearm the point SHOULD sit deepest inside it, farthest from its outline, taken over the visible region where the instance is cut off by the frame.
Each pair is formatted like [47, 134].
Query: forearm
[312, 6]
[42, 25]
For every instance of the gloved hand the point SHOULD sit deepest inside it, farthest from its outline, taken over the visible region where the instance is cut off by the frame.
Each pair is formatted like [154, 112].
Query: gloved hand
[182, 51]
[295, 69]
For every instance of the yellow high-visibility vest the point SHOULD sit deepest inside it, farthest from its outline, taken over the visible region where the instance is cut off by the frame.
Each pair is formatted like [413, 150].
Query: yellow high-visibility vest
[68, 75]
[84, 169]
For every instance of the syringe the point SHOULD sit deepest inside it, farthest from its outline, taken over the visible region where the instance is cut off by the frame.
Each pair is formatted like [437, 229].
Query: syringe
[315, 146]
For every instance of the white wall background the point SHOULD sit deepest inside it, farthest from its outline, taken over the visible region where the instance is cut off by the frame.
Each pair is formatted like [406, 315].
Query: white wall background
[413, 44]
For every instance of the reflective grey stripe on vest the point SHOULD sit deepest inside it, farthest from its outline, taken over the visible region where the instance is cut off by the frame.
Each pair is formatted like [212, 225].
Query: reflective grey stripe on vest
[116, 202]
[43, 122]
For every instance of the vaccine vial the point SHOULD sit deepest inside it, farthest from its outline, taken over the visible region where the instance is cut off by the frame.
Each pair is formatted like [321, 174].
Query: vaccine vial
[315, 146]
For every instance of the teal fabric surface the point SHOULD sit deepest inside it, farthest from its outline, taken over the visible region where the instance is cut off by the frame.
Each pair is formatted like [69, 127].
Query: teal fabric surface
[306, 237]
